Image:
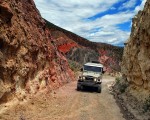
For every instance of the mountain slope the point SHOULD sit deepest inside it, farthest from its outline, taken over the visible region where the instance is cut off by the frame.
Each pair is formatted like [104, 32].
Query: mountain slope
[81, 50]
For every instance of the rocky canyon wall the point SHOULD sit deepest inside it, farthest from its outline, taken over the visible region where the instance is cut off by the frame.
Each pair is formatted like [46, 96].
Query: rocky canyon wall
[136, 58]
[29, 59]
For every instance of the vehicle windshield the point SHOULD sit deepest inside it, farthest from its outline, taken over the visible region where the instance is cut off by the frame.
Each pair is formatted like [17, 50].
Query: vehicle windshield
[92, 68]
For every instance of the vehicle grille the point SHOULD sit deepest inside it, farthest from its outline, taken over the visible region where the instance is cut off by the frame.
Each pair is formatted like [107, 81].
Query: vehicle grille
[89, 78]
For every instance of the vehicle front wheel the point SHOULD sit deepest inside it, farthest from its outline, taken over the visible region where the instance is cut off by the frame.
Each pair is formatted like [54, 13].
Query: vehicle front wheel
[99, 89]
[79, 87]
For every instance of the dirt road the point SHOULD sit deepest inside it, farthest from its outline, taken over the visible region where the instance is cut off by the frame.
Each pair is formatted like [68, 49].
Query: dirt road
[68, 104]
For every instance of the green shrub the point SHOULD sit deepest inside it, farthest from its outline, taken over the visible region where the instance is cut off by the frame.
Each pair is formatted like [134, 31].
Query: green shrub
[121, 84]
[123, 87]
[117, 80]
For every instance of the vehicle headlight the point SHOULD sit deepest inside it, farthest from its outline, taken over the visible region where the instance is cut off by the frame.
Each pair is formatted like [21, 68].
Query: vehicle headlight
[95, 79]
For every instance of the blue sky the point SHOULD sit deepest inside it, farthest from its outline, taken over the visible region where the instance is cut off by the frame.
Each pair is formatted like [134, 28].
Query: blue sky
[107, 21]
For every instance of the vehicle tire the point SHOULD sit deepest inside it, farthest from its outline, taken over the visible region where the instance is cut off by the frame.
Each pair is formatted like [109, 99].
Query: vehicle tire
[99, 89]
[78, 87]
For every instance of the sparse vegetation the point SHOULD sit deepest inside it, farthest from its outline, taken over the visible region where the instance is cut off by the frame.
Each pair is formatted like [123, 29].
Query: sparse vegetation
[121, 85]
[146, 105]
[74, 65]
[117, 80]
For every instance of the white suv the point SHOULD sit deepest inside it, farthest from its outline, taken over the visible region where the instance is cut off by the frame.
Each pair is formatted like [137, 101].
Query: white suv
[91, 76]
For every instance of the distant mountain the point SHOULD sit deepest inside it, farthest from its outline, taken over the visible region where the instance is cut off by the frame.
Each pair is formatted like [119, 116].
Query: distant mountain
[80, 50]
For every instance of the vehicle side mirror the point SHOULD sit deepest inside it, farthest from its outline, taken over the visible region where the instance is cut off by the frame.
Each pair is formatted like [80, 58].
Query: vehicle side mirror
[81, 69]
[103, 72]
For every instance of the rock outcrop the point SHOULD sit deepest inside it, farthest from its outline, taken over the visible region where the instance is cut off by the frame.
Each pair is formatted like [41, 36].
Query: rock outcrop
[82, 55]
[136, 58]
[29, 59]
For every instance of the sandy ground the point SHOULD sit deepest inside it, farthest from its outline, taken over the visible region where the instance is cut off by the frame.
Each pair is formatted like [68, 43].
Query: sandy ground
[67, 104]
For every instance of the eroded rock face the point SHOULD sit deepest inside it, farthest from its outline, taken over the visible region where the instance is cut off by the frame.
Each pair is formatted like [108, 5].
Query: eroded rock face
[82, 55]
[136, 58]
[29, 61]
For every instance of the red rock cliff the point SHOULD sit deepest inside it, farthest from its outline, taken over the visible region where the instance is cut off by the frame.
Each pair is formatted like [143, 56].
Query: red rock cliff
[136, 58]
[29, 60]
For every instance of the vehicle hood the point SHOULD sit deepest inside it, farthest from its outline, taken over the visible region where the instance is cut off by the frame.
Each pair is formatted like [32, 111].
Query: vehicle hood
[93, 74]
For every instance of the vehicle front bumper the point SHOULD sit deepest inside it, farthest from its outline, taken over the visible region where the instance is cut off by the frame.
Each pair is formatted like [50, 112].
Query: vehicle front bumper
[89, 83]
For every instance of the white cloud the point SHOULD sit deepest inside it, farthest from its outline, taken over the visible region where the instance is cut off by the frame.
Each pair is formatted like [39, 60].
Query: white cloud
[140, 7]
[107, 36]
[128, 4]
[72, 15]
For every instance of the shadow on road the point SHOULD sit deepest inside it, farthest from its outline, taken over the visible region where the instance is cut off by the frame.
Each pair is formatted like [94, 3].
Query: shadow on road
[88, 90]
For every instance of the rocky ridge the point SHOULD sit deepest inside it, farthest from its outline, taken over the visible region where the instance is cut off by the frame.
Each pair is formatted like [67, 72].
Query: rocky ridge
[136, 58]
[29, 60]
[132, 91]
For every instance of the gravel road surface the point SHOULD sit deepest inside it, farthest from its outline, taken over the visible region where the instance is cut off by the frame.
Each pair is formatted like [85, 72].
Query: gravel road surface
[67, 103]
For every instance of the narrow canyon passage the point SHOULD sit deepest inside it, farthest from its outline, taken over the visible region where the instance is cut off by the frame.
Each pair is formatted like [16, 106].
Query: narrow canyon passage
[68, 104]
